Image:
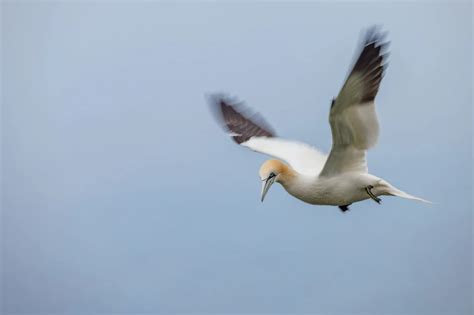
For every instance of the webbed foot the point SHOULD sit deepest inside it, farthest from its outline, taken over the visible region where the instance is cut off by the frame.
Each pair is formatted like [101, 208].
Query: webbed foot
[368, 189]
[344, 208]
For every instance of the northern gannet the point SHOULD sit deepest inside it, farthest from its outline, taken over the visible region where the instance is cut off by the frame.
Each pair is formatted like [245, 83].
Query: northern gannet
[340, 178]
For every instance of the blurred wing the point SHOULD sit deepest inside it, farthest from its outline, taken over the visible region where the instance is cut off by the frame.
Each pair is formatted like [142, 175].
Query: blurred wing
[353, 120]
[251, 131]
[302, 157]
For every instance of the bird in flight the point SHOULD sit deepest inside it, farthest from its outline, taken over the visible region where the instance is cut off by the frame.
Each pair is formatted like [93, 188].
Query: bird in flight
[340, 178]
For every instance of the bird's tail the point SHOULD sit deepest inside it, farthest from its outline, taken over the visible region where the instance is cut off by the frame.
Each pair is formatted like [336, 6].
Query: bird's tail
[392, 191]
[399, 193]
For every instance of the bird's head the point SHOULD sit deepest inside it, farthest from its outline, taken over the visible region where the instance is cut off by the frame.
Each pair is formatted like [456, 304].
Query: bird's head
[273, 171]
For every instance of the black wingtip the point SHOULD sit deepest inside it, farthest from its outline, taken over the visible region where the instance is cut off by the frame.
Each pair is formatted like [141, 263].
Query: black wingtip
[237, 119]
[218, 101]
[372, 60]
[375, 33]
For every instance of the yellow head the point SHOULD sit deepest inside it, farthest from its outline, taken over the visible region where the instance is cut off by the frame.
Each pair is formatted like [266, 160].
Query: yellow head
[274, 171]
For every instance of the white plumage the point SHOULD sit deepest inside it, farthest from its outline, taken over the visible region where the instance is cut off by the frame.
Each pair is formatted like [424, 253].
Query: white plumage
[340, 178]
[302, 157]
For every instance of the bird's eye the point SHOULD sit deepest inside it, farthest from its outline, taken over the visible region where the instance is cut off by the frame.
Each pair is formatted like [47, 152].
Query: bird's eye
[272, 175]
[332, 102]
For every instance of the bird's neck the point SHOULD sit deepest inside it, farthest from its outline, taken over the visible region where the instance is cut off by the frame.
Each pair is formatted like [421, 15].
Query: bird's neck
[287, 175]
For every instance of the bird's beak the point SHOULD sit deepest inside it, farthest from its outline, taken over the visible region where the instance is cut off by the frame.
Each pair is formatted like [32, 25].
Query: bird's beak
[266, 185]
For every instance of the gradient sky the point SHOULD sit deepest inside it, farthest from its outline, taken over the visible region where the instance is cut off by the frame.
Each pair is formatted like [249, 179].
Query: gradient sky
[122, 194]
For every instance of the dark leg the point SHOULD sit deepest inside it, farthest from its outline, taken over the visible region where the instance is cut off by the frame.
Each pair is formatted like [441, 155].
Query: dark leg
[344, 208]
[368, 189]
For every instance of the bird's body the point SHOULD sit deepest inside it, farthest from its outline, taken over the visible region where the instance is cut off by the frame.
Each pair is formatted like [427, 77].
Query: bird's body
[339, 190]
[343, 189]
[340, 178]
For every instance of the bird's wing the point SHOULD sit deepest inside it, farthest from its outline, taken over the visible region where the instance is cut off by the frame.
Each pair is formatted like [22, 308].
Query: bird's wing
[251, 131]
[353, 120]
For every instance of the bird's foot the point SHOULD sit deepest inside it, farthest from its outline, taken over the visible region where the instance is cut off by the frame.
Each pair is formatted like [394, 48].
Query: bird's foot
[344, 208]
[368, 189]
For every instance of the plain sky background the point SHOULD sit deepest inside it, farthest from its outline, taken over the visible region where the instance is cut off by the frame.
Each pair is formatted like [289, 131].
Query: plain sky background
[122, 194]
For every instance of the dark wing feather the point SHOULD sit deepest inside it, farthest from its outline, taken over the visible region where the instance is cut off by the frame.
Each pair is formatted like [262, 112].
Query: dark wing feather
[242, 126]
[371, 64]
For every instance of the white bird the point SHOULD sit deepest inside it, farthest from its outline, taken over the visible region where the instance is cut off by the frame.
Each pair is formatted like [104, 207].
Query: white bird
[342, 177]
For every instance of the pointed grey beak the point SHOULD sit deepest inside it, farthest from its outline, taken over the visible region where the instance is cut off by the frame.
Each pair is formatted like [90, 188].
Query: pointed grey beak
[266, 186]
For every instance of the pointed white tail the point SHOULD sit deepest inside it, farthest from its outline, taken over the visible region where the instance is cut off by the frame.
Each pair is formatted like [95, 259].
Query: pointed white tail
[396, 192]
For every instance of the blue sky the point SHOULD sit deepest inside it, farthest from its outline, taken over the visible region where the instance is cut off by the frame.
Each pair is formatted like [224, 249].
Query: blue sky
[120, 193]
